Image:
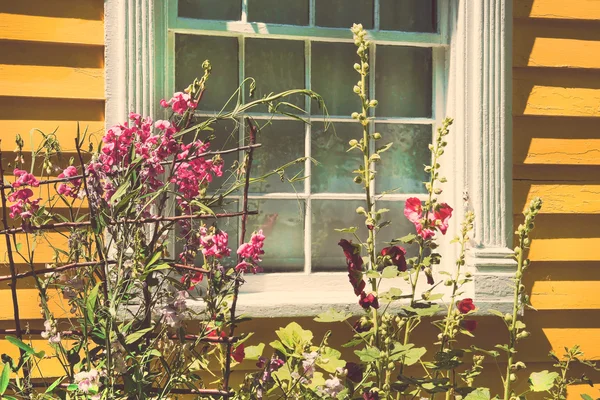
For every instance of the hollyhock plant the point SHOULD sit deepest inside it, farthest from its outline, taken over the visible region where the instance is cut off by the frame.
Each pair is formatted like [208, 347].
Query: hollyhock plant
[395, 255]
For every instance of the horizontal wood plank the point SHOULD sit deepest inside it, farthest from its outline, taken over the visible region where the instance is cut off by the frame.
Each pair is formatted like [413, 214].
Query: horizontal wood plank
[558, 198]
[51, 30]
[555, 44]
[556, 92]
[52, 82]
[37, 109]
[557, 9]
[29, 305]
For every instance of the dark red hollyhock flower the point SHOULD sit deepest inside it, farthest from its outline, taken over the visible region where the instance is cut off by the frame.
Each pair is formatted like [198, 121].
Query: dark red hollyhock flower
[397, 255]
[371, 396]
[355, 372]
[429, 275]
[355, 263]
[361, 326]
[239, 354]
[368, 300]
[465, 305]
[469, 325]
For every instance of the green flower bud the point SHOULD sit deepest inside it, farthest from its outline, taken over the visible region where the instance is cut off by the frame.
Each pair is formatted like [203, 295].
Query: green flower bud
[377, 136]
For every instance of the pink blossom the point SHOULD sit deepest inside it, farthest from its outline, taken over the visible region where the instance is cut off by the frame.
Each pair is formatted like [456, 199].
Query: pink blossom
[213, 242]
[24, 178]
[254, 249]
[71, 188]
[180, 103]
[438, 219]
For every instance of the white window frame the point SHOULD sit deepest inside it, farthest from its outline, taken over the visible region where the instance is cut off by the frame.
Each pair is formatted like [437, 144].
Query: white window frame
[474, 42]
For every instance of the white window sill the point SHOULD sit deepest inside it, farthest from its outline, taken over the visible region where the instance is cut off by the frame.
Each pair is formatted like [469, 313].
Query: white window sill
[279, 295]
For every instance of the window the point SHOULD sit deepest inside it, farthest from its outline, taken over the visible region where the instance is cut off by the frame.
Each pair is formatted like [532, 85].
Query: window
[448, 57]
[298, 44]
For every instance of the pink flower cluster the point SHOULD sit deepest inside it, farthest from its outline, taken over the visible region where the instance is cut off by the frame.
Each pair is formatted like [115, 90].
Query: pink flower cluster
[70, 188]
[193, 173]
[251, 253]
[180, 103]
[426, 226]
[213, 242]
[23, 206]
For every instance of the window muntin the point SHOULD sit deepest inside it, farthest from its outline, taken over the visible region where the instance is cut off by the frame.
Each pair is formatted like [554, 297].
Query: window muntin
[405, 77]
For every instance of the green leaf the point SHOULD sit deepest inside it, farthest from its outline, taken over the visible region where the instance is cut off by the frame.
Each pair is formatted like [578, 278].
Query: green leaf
[72, 387]
[333, 316]
[389, 272]
[254, 352]
[90, 305]
[542, 381]
[26, 348]
[413, 356]
[277, 345]
[135, 336]
[5, 378]
[352, 229]
[119, 193]
[369, 354]
[392, 294]
[408, 239]
[427, 310]
[478, 394]
[496, 313]
[54, 385]
[372, 274]
[329, 360]
[586, 397]
[293, 335]
[155, 257]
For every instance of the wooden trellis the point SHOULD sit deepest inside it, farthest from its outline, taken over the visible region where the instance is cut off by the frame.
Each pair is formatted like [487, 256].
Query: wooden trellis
[9, 232]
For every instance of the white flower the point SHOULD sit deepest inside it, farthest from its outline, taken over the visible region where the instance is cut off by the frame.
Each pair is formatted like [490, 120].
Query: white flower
[333, 386]
[87, 380]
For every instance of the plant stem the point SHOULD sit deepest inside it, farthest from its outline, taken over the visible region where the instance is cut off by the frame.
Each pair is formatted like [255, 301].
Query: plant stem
[515, 312]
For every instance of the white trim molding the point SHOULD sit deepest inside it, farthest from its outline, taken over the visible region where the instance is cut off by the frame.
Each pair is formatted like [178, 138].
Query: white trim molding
[134, 46]
[480, 100]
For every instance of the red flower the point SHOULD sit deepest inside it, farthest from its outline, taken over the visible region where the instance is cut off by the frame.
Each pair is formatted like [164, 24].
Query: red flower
[194, 279]
[368, 300]
[239, 354]
[465, 306]
[355, 263]
[469, 325]
[397, 255]
[355, 372]
[442, 214]
[361, 326]
[370, 396]
[438, 219]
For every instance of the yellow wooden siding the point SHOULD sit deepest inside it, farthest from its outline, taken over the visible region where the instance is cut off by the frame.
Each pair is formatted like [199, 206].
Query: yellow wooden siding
[556, 155]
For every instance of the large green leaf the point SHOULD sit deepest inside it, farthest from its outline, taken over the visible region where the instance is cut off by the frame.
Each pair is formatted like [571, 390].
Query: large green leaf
[293, 335]
[26, 348]
[333, 316]
[90, 305]
[542, 381]
[4, 378]
[329, 360]
[369, 354]
[254, 352]
[135, 336]
[478, 394]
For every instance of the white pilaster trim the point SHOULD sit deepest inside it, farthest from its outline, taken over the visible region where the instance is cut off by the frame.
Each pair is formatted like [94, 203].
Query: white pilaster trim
[134, 52]
[480, 100]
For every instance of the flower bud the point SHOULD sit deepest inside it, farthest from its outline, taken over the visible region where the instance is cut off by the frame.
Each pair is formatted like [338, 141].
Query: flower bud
[358, 179]
[373, 103]
[357, 67]
[377, 136]
[508, 317]
[356, 89]
[355, 115]
[353, 142]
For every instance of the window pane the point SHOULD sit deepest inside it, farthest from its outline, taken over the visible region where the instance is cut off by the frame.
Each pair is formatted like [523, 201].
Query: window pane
[408, 15]
[403, 81]
[277, 66]
[292, 12]
[191, 51]
[398, 228]
[282, 142]
[333, 174]
[344, 13]
[401, 169]
[282, 222]
[328, 215]
[229, 10]
[333, 77]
